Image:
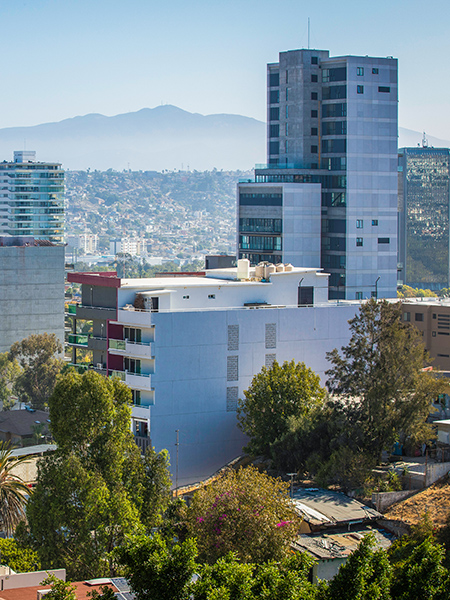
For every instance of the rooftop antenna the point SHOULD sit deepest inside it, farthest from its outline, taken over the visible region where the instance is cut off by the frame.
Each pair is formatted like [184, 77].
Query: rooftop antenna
[308, 33]
[424, 141]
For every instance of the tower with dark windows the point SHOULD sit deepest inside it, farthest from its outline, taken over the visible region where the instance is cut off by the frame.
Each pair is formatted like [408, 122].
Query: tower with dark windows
[328, 194]
[424, 204]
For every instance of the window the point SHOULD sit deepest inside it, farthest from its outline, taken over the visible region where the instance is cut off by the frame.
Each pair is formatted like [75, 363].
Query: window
[314, 131]
[274, 114]
[359, 71]
[434, 315]
[334, 92]
[274, 96]
[433, 334]
[314, 149]
[314, 96]
[286, 147]
[274, 148]
[274, 131]
[359, 223]
[185, 297]
[314, 60]
[359, 241]
[407, 316]
[383, 240]
[274, 79]
[374, 71]
[314, 78]
[287, 112]
[314, 114]
[360, 89]
[359, 296]
[374, 222]
[286, 129]
[384, 89]
[211, 296]
[136, 397]
[132, 335]
[287, 77]
[418, 317]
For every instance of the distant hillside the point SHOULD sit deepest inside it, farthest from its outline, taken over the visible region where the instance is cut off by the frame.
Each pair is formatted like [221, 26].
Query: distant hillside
[154, 139]
[164, 137]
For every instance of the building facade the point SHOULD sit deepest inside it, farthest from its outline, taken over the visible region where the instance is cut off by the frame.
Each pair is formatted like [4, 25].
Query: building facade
[331, 134]
[31, 289]
[188, 347]
[32, 198]
[424, 205]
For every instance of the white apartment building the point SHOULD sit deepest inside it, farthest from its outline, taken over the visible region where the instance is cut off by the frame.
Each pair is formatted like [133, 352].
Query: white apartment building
[88, 242]
[135, 246]
[189, 346]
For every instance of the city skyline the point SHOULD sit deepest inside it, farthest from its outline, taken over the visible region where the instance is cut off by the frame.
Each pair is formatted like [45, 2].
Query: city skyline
[203, 57]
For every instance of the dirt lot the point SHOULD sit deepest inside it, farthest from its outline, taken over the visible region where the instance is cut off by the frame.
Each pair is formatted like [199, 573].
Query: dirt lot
[435, 500]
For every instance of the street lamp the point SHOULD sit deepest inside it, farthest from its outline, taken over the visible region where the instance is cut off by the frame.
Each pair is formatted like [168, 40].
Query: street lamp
[376, 288]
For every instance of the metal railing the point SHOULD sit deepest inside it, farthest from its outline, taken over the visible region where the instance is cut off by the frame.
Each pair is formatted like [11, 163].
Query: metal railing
[78, 339]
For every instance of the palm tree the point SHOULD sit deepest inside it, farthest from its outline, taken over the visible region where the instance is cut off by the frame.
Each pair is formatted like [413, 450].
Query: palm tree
[13, 491]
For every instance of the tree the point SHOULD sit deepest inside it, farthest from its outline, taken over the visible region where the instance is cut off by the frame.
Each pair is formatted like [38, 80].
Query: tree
[157, 569]
[246, 512]
[60, 590]
[422, 574]
[89, 492]
[37, 355]
[13, 491]
[9, 372]
[19, 559]
[365, 576]
[379, 378]
[275, 396]
[157, 486]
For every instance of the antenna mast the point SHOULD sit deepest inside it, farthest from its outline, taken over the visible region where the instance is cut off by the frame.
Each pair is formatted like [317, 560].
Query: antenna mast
[308, 33]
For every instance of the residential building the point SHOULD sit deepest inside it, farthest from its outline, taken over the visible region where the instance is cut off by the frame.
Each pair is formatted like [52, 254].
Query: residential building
[328, 194]
[32, 198]
[87, 242]
[189, 346]
[129, 245]
[31, 289]
[424, 205]
[431, 316]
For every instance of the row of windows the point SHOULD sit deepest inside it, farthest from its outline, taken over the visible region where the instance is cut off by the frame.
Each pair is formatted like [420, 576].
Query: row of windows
[381, 88]
[259, 242]
[261, 225]
[336, 146]
[360, 71]
[360, 223]
[360, 241]
[334, 92]
[257, 258]
[329, 128]
[260, 199]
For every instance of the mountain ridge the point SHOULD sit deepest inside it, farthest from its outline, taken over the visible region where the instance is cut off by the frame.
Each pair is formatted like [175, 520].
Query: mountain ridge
[159, 138]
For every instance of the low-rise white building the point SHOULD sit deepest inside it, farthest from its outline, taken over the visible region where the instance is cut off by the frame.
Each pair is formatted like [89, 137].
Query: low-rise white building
[189, 346]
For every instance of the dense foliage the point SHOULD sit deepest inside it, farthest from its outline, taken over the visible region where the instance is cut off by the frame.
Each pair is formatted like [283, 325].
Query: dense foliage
[274, 398]
[13, 491]
[246, 512]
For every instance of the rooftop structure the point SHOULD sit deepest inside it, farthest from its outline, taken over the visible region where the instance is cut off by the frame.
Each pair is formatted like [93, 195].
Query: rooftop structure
[31, 198]
[188, 347]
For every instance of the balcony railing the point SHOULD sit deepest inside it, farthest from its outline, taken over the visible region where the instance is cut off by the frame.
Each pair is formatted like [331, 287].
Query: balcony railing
[142, 443]
[118, 344]
[72, 309]
[78, 339]
[120, 374]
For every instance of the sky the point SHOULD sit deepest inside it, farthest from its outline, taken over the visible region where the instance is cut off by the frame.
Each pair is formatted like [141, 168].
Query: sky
[64, 58]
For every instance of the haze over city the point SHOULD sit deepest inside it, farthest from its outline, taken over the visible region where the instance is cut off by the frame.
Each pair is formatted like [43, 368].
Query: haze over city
[77, 57]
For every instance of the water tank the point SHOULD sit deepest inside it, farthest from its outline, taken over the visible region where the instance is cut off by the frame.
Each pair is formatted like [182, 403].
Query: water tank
[268, 270]
[288, 267]
[243, 268]
[259, 270]
[279, 267]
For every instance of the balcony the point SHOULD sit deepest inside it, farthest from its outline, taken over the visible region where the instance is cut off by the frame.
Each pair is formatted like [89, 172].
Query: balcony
[130, 316]
[78, 339]
[142, 443]
[136, 381]
[95, 312]
[126, 348]
[72, 309]
[97, 343]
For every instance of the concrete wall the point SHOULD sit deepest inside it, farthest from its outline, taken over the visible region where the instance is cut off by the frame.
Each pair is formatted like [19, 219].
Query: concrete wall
[31, 292]
[383, 500]
[435, 471]
[198, 379]
[19, 580]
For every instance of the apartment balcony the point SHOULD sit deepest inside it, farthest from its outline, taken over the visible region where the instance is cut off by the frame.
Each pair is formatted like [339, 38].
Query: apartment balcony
[82, 367]
[78, 339]
[142, 443]
[134, 349]
[87, 341]
[97, 343]
[95, 312]
[136, 381]
[131, 316]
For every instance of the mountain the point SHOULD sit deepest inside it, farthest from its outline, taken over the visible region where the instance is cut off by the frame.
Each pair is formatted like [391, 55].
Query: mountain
[154, 139]
[164, 137]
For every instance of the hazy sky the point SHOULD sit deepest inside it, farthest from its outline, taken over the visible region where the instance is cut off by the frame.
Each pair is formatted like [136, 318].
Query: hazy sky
[62, 58]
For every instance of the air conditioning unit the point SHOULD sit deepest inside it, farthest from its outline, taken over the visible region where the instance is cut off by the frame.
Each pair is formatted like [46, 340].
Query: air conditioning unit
[99, 366]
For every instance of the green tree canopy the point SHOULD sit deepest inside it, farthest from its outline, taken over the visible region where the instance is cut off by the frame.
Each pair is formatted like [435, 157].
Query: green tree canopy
[378, 378]
[19, 559]
[9, 372]
[90, 492]
[275, 396]
[13, 491]
[246, 512]
[37, 355]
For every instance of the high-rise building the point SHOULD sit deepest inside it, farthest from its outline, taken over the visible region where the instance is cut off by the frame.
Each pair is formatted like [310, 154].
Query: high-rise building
[328, 195]
[424, 203]
[31, 198]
